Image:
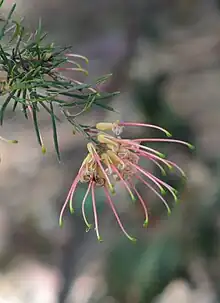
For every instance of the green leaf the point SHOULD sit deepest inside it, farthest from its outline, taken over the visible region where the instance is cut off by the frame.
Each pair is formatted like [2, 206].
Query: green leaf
[77, 96]
[107, 95]
[90, 101]
[24, 106]
[3, 55]
[49, 111]
[55, 139]
[38, 32]
[107, 107]
[103, 79]
[4, 106]
[19, 30]
[37, 130]
[2, 33]
[16, 102]
[1, 2]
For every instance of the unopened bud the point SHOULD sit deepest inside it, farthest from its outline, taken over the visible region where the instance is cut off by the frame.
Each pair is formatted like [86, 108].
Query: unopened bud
[104, 126]
[43, 149]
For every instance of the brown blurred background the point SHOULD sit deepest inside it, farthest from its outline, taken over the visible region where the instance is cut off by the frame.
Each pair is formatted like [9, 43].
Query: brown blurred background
[165, 60]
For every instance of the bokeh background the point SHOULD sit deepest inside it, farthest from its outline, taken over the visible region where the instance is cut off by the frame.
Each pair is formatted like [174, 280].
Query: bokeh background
[165, 60]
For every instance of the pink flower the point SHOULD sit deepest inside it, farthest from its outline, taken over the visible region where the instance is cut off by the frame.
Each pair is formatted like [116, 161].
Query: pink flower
[113, 160]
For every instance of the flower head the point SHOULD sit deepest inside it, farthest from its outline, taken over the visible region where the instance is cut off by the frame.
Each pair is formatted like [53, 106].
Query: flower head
[113, 160]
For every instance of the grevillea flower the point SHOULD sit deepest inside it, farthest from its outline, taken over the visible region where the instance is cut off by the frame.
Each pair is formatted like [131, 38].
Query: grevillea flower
[113, 160]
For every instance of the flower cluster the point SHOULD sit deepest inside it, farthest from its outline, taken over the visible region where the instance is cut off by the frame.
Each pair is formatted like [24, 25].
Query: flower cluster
[113, 159]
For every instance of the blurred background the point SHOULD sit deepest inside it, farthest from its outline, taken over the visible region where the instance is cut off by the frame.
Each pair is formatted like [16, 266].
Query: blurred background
[165, 60]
